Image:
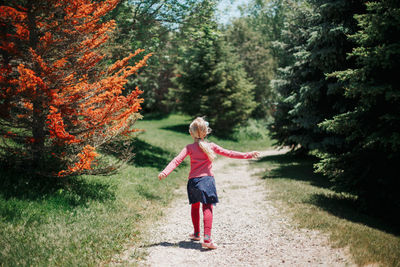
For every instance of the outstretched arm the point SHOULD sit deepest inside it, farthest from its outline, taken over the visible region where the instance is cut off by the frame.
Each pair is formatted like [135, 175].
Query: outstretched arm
[173, 164]
[233, 154]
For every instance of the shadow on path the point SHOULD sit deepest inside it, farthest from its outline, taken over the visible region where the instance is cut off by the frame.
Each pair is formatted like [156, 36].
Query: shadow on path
[180, 244]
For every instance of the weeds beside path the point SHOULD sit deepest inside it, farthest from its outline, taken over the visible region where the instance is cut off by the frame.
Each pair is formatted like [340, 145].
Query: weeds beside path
[249, 230]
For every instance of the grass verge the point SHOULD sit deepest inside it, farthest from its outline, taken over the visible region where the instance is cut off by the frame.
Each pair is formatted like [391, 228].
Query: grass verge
[307, 198]
[88, 220]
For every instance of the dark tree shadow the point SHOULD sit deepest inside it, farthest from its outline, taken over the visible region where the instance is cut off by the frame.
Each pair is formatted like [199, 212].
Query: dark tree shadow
[155, 116]
[350, 209]
[51, 193]
[147, 155]
[295, 167]
[179, 128]
[143, 155]
[184, 129]
[300, 168]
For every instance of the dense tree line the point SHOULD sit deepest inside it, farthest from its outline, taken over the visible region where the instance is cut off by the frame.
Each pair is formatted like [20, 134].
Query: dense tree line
[339, 93]
[327, 70]
[184, 35]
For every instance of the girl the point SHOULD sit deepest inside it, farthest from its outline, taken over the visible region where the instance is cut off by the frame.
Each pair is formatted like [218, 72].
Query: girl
[201, 184]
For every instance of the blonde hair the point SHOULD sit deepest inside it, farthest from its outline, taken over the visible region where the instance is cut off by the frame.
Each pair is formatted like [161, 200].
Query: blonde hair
[199, 130]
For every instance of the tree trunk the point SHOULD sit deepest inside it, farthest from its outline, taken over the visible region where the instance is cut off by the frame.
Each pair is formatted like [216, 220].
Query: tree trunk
[38, 117]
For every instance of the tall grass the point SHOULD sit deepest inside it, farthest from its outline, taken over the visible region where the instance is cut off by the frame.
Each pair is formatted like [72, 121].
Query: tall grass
[307, 198]
[87, 220]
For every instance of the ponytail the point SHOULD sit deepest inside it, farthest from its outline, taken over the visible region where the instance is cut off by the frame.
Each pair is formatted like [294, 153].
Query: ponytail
[199, 130]
[205, 146]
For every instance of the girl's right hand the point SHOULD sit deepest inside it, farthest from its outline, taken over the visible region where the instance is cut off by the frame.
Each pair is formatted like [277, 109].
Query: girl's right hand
[161, 176]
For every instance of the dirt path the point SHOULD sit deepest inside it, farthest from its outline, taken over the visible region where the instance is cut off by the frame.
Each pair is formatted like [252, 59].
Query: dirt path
[248, 229]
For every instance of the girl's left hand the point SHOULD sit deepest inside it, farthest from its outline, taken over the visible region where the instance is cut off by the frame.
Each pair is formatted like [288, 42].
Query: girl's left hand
[255, 154]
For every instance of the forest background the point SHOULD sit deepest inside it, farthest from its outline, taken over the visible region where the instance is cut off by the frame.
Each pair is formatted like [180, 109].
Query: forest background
[320, 77]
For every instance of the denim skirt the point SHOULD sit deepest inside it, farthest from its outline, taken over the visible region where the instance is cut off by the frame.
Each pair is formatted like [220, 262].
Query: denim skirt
[202, 189]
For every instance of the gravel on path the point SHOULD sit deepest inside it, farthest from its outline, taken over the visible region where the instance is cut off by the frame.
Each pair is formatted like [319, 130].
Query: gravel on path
[248, 229]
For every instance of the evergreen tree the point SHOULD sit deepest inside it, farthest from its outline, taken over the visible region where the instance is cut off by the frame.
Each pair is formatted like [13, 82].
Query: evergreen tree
[258, 61]
[284, 129]
[212, 82]
[314, 97]
[368, 164]
[268, 18]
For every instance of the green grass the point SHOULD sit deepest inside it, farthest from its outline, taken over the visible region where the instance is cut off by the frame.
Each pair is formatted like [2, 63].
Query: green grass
[307, 198]
[85, 221]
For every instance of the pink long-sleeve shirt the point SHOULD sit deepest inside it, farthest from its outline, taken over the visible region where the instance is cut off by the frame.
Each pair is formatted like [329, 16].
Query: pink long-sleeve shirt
[200, 165]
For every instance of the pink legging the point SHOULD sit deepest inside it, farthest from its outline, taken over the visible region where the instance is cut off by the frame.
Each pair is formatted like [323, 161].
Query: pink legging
[207, 219]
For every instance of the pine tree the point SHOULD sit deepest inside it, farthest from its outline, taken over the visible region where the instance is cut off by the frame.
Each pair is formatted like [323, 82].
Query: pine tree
[258, 62]
[323, 49]
[212, 82]
[56, 104]
[367, 166]
[285, 129]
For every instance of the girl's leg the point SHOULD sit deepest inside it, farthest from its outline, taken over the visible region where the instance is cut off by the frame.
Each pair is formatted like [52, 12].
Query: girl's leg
[196, 218]
[207, 219]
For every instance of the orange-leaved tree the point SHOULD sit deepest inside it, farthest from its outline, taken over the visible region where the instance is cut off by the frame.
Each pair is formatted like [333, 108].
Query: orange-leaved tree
[60, 101]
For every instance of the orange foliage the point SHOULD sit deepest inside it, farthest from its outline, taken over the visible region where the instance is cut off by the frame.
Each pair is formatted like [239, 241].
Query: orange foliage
[28, 81]
[57, 78]
[57, 128]
[86, 157]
